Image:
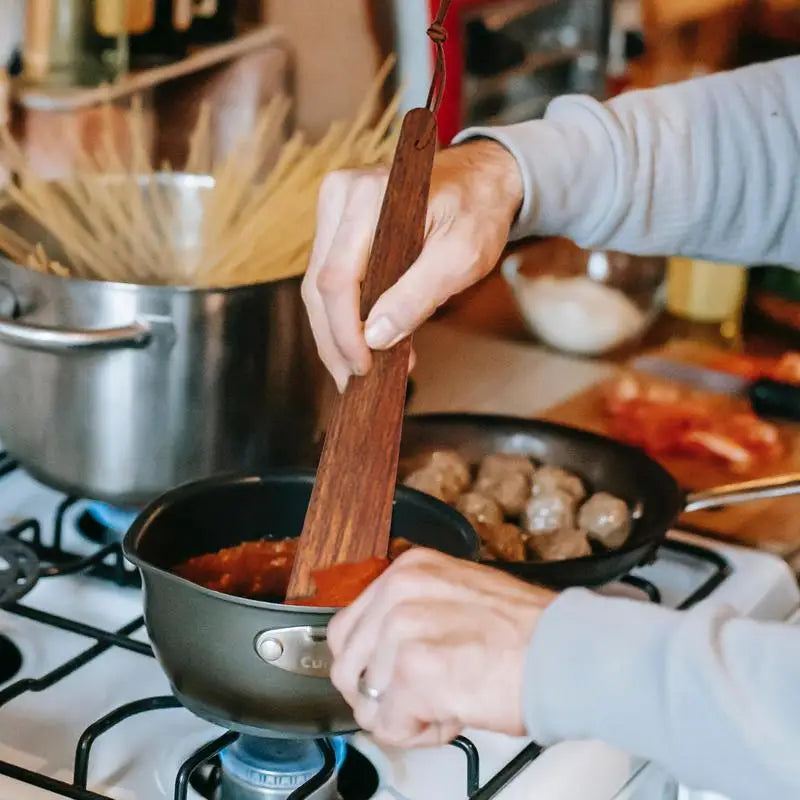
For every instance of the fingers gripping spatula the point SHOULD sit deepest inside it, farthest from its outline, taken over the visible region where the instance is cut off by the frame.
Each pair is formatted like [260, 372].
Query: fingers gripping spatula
[350, 512]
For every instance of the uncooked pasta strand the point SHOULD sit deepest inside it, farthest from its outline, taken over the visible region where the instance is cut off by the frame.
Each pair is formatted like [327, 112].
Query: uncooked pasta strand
[117, 219]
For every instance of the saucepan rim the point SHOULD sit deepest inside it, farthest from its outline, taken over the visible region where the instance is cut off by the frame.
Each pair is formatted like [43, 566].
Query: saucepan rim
[182, 289]
[148, 515]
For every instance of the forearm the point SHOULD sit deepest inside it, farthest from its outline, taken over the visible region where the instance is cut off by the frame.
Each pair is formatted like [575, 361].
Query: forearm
[713, 698]
[707, 168]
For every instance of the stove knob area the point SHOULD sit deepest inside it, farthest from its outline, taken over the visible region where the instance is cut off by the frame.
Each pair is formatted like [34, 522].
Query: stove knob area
[269, 649]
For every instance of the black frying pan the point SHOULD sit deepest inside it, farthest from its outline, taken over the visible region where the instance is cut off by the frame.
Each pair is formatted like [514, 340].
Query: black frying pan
[604, 464]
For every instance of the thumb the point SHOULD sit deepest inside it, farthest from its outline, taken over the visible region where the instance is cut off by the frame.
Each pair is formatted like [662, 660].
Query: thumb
[445, 267]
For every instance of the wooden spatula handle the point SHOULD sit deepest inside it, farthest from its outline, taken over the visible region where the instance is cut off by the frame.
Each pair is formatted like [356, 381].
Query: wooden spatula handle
[349, 517]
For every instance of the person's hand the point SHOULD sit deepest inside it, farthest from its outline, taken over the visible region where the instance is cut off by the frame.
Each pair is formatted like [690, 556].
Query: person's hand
[476, 191]
[442, 642]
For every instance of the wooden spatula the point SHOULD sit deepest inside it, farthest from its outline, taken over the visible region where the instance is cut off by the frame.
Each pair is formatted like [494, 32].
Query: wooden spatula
[350, 513]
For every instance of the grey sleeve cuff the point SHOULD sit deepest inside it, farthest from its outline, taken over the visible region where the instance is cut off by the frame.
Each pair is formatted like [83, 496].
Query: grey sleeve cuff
[587, 677]
[567, 165]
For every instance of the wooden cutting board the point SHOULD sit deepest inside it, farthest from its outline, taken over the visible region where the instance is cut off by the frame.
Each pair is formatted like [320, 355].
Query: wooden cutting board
[772, 525]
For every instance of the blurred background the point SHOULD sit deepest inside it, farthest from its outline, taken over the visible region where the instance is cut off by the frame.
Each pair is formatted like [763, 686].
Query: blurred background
[74, 73]
[506, 57]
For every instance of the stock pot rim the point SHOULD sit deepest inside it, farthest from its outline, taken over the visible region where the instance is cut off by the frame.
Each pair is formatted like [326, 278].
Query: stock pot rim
[202, 181]
[160, 289]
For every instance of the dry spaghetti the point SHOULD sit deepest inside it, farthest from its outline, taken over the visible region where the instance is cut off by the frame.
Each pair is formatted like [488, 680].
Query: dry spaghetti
[114, 218]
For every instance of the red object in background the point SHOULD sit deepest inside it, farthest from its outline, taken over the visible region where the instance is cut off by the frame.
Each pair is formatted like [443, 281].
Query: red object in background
[451, 113]
[618, 84]
[666, 420]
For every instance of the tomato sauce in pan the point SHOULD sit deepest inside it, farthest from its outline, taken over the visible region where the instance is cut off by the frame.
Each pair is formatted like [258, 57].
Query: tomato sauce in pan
[260, 570]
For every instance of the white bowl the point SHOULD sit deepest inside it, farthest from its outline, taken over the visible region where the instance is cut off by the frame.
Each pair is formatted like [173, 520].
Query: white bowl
[585, 302]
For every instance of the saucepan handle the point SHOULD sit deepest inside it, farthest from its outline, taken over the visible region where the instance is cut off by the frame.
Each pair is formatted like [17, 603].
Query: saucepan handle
[302, 650]
[732, 493]
[49, 339]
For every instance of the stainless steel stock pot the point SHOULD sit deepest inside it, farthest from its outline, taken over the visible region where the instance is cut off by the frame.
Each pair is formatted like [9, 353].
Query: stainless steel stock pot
[120, 391]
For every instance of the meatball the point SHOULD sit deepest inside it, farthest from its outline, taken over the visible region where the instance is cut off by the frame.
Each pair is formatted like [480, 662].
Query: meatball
[547, 480]
[444, 475]
[606, 518]
[505, 541]
[479, 509]
[560, 545]
[547, 513]
[430, 481]
[453, 465]
[507, 480]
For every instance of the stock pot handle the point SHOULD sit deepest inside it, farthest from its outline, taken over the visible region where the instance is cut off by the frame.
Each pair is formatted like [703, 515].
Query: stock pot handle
[732, 493]
[58, 340]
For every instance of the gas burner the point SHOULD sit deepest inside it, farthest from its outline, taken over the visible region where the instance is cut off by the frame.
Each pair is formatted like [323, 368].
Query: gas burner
[10, 659]
[104, 524]
[272, 769]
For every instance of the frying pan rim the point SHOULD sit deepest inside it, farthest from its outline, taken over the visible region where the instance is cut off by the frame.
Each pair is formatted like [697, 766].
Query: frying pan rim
[624, 449]
[291, 475]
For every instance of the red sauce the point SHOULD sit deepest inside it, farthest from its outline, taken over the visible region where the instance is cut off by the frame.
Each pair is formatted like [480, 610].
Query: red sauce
[260, 570]
[341, 584]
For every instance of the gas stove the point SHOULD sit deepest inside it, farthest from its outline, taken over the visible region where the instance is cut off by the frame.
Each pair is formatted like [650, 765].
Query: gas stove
[86, 712]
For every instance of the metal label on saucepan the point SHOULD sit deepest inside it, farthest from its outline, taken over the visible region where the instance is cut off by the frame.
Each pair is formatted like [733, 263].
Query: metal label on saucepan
[302, 650]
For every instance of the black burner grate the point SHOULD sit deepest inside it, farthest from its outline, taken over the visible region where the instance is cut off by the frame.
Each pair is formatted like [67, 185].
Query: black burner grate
[199, 769]
[10, 659]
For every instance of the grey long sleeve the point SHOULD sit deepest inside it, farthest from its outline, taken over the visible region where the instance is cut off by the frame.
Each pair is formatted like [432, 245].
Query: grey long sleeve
[708, 168]
[713, 698]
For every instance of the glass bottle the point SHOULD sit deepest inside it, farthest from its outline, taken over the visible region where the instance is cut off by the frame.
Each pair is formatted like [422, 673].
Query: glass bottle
[59, 44]
[707, 293]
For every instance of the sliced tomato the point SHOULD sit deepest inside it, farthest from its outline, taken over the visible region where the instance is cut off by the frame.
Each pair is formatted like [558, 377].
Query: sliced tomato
[721, 446]
[787, 369]
[668, 423]
[750, 367]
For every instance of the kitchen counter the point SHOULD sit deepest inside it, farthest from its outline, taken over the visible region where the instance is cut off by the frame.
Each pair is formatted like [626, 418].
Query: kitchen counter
[462, 370]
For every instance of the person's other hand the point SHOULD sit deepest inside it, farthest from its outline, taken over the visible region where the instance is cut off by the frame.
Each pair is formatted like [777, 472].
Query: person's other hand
[442, 641]
[476, 191]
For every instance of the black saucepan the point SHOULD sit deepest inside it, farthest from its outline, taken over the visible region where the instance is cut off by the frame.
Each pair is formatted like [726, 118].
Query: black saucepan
[604, 464]
[255, 667]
